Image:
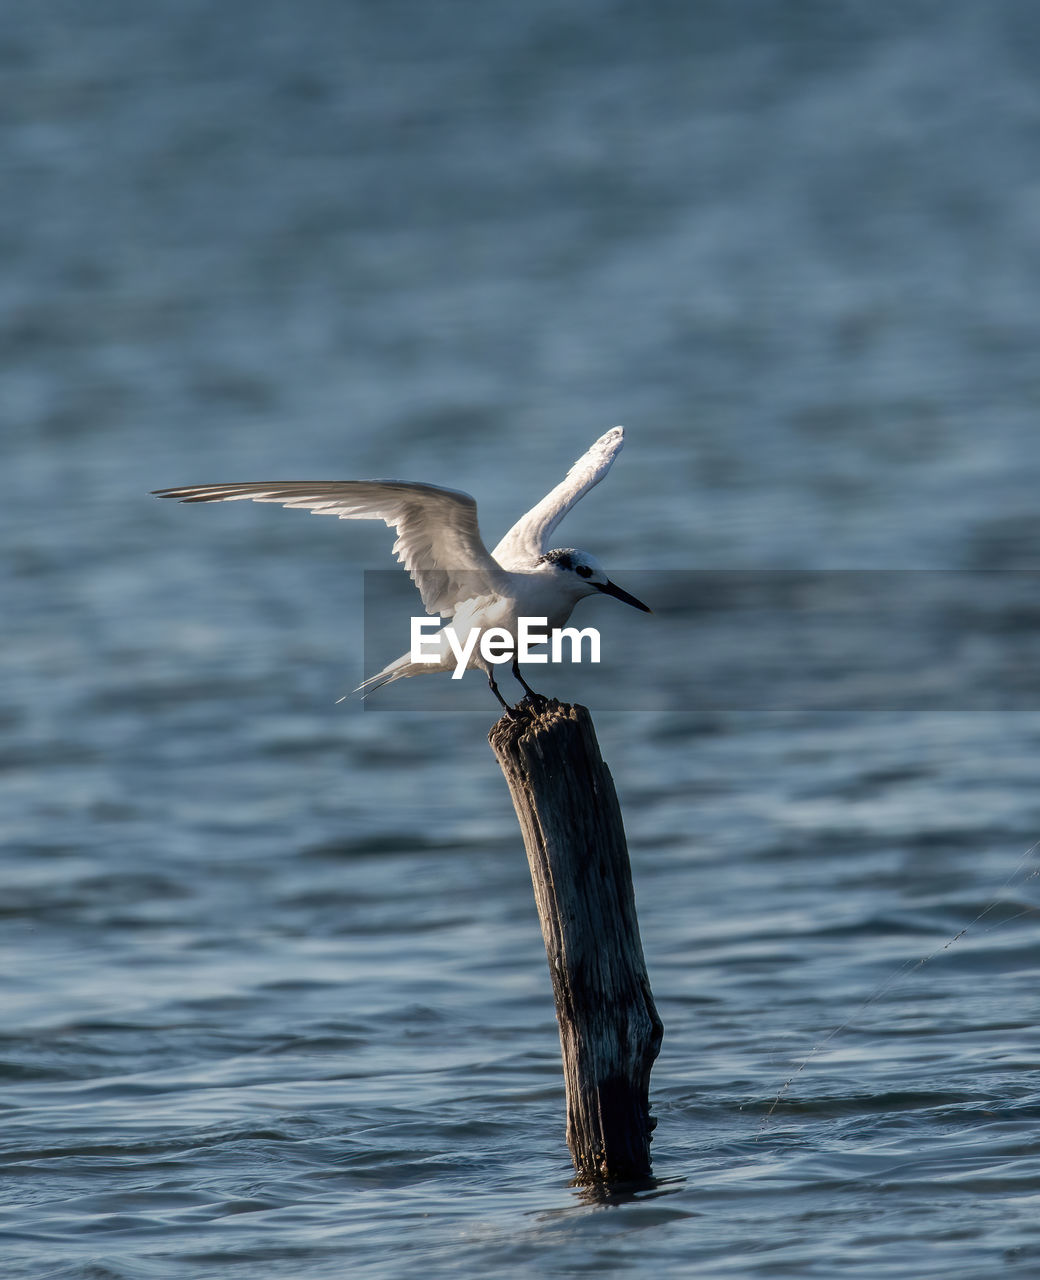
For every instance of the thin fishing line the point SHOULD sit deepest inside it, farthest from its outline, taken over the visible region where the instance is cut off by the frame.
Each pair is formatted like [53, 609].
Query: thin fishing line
[908, 967]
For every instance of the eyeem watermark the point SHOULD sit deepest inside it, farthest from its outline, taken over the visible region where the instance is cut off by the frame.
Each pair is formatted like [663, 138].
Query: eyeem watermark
[496, 644]
[769, 641]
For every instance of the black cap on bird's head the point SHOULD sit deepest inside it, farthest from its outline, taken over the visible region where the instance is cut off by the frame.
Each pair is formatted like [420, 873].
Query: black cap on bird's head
[591, 574]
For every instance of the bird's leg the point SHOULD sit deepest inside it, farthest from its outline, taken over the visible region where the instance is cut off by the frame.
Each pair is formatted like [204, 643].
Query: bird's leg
[536, 698]
[494, 690]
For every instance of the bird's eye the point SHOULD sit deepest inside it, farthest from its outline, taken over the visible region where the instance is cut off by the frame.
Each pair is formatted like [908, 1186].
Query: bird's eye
[583, 571]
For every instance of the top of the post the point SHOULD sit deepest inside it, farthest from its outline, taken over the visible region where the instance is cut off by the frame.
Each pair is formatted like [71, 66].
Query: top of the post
[529, 719]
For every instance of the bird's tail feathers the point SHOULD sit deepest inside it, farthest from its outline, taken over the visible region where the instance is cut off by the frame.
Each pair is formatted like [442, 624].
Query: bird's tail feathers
[399, 669]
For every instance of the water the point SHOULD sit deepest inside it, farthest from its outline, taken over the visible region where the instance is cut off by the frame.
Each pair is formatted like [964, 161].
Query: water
[275, 999]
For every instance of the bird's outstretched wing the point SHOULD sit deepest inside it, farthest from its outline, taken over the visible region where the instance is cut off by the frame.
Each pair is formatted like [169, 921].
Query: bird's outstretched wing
[528, 539]
[438, 540]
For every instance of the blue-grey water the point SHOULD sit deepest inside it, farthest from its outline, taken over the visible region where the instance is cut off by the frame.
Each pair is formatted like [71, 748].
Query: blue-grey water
[274, 998]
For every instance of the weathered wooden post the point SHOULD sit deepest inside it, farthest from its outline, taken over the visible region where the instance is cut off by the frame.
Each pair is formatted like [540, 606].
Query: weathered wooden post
[610, 1033]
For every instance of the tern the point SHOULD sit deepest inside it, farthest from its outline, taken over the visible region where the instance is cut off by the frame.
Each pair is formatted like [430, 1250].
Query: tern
[439, 544]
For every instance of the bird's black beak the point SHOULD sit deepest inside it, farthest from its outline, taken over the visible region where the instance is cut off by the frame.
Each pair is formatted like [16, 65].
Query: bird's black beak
[609, 589]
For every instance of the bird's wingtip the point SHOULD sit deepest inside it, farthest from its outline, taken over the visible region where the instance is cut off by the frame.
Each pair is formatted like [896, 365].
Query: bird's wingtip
[613, 438]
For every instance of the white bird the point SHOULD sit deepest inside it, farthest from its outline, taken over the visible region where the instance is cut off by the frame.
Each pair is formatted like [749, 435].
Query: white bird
[439, 543]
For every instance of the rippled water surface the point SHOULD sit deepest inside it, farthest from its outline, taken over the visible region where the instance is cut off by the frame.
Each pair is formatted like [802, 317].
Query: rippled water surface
[275, 998]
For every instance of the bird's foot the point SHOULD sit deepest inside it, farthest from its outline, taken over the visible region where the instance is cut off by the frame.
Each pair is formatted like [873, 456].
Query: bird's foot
[537, 701]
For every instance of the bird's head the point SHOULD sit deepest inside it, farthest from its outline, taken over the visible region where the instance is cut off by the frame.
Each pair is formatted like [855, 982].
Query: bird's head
[583, 575]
